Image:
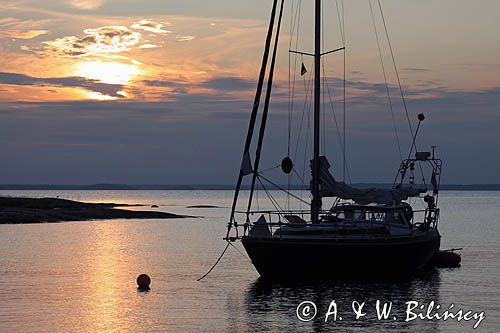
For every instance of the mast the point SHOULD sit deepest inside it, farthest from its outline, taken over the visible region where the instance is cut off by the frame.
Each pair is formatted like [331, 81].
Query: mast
[253, 117]
[316, 198]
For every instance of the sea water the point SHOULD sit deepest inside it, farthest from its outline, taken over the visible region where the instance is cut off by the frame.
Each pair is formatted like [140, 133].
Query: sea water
[80, 276]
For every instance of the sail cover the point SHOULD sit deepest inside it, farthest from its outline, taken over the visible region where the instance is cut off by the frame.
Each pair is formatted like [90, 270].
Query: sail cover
[329, 187]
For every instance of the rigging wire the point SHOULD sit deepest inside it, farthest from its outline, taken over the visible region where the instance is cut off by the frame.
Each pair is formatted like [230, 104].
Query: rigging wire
[257, 197]
[306, 147]
[271, 168]
[239, 251]
[300, 178]
[335, 120]
[299, 10]
[266, 106]
[340, 21]
[385, 80]
[271, 198]
[395, 67]
[253, 117]
[307, 87]
[291, 92]
[295, 20]
[282, 189]
[413, 145]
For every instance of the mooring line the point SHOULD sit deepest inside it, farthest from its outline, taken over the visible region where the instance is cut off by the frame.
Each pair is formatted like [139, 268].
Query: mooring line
[211, 269]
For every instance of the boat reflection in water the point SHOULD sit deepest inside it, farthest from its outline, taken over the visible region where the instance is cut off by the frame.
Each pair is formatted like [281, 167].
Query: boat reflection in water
[271, 307]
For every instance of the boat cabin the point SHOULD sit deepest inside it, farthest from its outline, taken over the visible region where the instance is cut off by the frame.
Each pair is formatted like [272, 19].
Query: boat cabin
[352, 220]
[391, 214]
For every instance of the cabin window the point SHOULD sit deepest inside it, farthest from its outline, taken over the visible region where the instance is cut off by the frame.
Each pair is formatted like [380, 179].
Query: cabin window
[395, 218]
[349, 215]
[359, 215]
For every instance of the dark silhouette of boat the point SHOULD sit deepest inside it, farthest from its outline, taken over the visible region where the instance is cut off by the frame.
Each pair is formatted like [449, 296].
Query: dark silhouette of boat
[366, 230]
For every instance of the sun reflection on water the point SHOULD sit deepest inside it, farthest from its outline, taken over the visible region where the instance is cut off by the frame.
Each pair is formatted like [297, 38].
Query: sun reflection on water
[109, 268]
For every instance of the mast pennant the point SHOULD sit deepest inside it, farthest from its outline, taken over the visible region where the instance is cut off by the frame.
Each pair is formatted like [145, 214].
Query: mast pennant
[303, 70]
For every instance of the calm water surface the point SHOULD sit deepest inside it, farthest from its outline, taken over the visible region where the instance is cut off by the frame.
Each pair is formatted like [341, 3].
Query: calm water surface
[80, 276]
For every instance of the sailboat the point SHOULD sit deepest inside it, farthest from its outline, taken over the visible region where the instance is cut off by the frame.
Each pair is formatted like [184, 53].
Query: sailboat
[365, 231]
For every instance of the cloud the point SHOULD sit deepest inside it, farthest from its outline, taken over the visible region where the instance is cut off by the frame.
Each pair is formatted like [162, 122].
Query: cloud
[112, 90]
[22, 34]
[86, 4]
[457, 122]
[475, 65]
[185, 38]
[228, 84]
[151, 26]
[147, 46]
[103, 40]
[414, 69]
[159, 83]
[220, 84]
[20, 29]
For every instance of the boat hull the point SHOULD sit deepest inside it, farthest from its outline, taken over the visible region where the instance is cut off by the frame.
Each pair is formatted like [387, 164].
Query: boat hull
[276, 258]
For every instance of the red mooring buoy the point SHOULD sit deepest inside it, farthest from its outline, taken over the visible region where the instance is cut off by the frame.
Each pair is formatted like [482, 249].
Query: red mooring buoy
[446, 259]
[143, 282]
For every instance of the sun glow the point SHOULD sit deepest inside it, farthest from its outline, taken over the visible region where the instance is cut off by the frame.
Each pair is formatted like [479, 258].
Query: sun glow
[107, 72]
[98, 96]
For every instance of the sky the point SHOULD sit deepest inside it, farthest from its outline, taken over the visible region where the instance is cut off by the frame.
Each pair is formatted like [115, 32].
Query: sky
[160, 92]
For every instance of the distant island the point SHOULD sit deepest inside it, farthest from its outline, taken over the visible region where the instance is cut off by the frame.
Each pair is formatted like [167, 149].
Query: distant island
[29, 210]
[131, 187]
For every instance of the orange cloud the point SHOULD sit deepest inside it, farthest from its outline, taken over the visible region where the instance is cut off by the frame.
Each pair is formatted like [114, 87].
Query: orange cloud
[122, 52]
[91, 85]
[103, 40]
[22, 34]
[151, 26]
[185, 38]
[86, 4]
[20, 29]
[147, 46]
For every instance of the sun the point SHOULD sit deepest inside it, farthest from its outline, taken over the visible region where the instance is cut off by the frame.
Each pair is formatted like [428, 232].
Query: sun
[107, 71]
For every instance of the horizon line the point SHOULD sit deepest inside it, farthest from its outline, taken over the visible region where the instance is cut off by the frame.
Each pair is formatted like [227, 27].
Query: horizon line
[118, 186]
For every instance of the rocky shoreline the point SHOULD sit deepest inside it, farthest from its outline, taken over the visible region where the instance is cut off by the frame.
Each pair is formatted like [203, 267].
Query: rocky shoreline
[49, 210]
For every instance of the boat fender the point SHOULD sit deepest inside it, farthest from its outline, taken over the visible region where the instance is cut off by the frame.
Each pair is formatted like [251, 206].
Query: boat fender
[445, 259]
